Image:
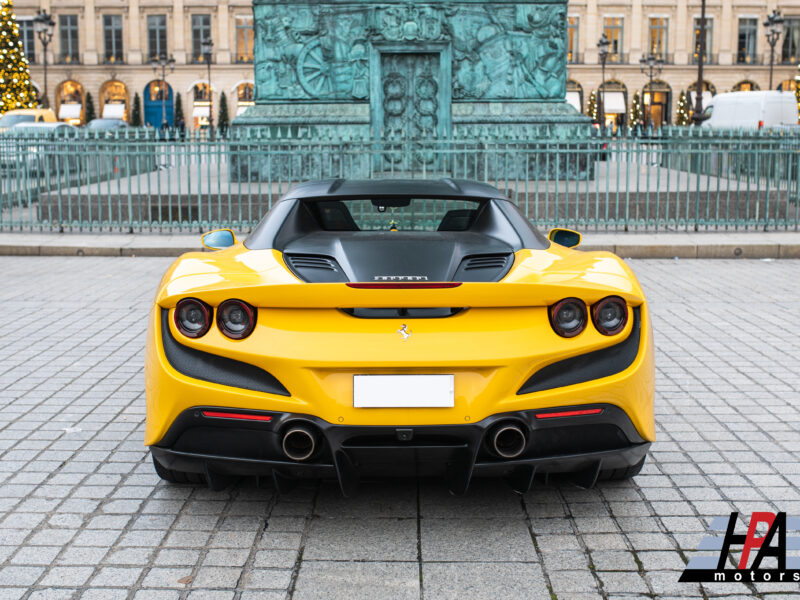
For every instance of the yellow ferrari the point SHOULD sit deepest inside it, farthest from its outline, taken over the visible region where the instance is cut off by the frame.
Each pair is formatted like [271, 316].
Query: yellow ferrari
[411, 327]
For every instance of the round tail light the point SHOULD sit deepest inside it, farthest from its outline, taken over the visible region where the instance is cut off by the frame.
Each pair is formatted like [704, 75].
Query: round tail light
[610, 315]
[568, 317]
[236, 319]
[192, 317]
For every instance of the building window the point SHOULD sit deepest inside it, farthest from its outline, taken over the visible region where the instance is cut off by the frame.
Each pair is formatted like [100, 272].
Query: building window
[658, 37]
[157, 36]
[612, 26]
[27, 37]
[201, 30]
[790, 53]
[572, 40]
[68, 34]
[709, 38]
[244, 39]
[746, 46]
[112, 36]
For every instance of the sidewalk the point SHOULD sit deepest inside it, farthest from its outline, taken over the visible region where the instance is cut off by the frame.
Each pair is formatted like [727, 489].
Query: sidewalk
[626, 245]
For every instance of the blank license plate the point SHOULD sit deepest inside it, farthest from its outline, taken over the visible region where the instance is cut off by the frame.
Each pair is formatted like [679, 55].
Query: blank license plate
[403, 391]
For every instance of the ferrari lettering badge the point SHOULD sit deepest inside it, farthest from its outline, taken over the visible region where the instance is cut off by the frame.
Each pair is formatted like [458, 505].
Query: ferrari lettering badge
[405, 332]
[400, 278]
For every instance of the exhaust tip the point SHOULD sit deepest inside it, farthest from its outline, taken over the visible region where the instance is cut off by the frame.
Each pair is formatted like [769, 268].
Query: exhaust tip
[299, 443]
[508, 441]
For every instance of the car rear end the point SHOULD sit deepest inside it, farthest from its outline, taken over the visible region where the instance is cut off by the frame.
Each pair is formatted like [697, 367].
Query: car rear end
[449, 378]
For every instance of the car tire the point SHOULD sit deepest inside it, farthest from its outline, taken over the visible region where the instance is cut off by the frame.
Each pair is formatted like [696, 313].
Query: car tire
[623, 473]
[173, 476]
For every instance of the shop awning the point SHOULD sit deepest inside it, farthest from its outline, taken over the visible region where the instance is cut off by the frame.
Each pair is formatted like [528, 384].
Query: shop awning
[613, 102]
[706, 98]
[114, 111]
[574, 98]
[200, 111]
[69, 111]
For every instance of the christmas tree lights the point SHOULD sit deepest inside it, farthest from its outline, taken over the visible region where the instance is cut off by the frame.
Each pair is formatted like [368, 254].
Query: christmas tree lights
[16, 90]
[682, 118]
[591, 107]
[636, 114]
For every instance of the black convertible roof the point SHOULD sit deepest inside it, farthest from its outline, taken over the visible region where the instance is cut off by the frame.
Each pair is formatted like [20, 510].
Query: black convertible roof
[421, 188]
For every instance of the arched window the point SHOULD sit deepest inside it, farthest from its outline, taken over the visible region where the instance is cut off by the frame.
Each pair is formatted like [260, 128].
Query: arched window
[201, 111]
[114, 100]
[787, 85]
[746, 86]
[245, 93]
[708, 92]
[69, 102]
[202, 92]
[575, 94]
[613, 96]
[657, 101]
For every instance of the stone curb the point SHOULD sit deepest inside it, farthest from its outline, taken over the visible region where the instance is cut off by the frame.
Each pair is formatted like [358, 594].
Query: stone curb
[716, 250]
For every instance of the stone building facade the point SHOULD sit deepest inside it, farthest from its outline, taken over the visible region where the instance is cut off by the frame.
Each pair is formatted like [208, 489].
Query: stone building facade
[104, 47]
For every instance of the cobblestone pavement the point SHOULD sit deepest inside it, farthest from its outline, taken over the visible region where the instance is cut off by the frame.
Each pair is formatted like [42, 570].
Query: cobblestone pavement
[82, 514]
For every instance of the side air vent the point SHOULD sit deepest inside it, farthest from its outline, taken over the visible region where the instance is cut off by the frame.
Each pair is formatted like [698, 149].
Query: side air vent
[486, 261]
[315, 268]
[484, 267]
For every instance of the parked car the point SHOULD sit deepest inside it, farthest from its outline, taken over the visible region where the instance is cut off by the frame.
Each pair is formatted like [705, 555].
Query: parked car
[407, 327]
[106, 124]
[29, 146]
[26, 115]
[751, 110]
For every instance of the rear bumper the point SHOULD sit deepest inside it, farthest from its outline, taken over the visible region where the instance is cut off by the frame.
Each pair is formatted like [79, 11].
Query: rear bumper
[580, 445]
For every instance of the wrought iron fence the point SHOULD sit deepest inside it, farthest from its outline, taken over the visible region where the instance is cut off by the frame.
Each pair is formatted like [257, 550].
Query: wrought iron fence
[142, 180]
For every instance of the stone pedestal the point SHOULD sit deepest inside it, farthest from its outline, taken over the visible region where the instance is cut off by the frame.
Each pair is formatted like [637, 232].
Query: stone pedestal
[358, 70]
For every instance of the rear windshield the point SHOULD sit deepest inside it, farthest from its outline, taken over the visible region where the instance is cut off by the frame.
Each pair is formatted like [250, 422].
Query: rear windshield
[11, 120]
[394, 214]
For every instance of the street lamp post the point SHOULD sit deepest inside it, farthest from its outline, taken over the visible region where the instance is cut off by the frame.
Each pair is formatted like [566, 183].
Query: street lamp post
[207, 47]
[163, 62]
[602, 53]
[44, 26]
[774, 27]
[650, 66]
[697, 115]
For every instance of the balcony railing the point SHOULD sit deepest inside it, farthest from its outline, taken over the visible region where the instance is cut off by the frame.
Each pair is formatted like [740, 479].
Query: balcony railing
[113, 59]
[710, 59]
[68, 58]
[618, 58]
[574, 58]
[243, 58]
[750, 59]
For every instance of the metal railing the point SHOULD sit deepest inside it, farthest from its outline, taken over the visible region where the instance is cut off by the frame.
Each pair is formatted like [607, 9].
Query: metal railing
[144, 180]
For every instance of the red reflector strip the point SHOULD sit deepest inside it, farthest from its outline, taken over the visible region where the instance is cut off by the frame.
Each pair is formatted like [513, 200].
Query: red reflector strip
[242, 416]
[415, 285]
[570, 413]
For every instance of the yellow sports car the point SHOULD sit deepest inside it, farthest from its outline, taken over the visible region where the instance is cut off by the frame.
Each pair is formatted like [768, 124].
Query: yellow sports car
[411, 327]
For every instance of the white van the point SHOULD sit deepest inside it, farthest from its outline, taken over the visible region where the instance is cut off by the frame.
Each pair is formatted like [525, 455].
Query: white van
[751, 110]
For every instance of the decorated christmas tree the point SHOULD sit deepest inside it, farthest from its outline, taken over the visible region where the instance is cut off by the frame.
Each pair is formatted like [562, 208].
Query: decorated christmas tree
[682, 118]
[636, 114]
[16, 90]
[223, 122]
[591, 107]
[179, 118]
[797, 90]
[90, 113]
[136, 115]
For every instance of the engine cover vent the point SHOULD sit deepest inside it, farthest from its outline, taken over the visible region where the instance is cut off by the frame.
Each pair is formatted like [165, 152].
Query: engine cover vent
[484, 267]
[486, 261]
[315, 268]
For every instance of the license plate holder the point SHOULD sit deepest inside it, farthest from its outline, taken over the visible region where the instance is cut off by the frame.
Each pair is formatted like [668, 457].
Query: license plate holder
[403, 391]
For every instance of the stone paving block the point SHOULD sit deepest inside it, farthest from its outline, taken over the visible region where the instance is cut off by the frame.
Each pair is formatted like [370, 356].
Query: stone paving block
[357, 581]
[477, 540]
[483, 581]
[378, 539]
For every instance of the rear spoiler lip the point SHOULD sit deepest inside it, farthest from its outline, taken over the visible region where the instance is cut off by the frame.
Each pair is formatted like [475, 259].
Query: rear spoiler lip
[342, 295]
